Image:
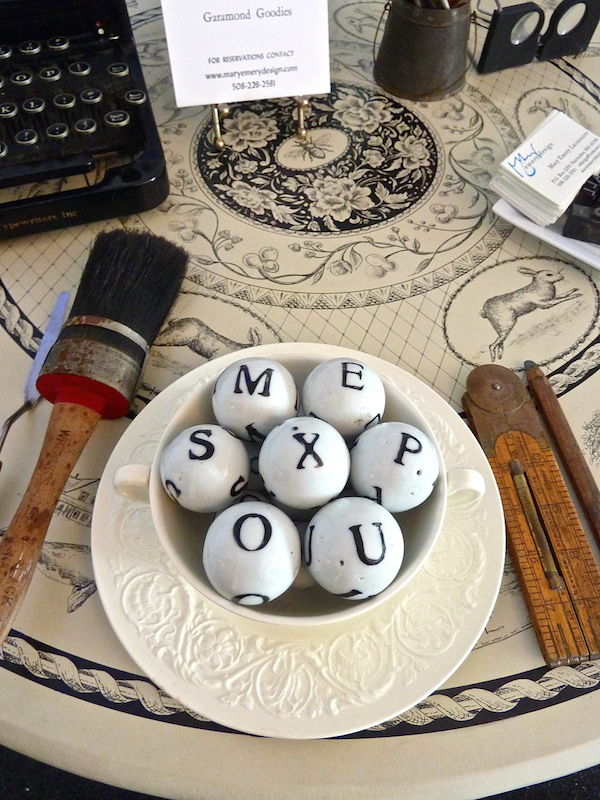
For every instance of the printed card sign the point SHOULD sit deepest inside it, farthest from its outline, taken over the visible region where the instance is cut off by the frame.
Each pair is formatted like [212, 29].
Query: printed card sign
[231, 50]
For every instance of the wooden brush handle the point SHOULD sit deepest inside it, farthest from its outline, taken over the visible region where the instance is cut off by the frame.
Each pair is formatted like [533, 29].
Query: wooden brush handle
[69, 430]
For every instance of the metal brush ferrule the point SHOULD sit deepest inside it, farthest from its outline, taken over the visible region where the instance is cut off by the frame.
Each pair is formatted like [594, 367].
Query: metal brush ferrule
[100, 350]
[111, 325]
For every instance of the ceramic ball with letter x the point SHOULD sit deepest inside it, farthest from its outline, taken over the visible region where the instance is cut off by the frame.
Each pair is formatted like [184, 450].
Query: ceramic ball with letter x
[251, 553]
[395, 464]
[252, 396]
[205, 468]
[348, 394]
[304, 463]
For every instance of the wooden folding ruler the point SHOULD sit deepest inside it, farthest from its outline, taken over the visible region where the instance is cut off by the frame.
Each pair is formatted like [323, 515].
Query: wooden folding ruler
[558, 573]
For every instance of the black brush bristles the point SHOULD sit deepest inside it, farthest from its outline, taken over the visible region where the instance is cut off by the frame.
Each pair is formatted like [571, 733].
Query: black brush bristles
[132, 278]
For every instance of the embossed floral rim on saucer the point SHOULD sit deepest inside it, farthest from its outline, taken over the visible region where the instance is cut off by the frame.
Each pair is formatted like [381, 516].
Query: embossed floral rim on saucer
[294, 682]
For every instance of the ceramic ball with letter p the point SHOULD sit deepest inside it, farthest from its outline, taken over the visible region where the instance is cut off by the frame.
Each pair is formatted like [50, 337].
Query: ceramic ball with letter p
[395, 464]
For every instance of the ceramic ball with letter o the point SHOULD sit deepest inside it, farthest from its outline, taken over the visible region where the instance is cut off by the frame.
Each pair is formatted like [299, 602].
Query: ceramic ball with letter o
[205, 468]
[304, 463]
[252, 396]
[346, 393]
[395, 464]
[252, 553]
[353, 548]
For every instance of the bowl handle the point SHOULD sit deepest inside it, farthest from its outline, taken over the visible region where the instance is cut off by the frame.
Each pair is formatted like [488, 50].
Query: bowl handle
[464, 486]
[132, 481]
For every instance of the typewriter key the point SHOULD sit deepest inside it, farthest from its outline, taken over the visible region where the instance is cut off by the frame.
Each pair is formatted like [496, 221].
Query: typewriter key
[58, 130]
[26, 137]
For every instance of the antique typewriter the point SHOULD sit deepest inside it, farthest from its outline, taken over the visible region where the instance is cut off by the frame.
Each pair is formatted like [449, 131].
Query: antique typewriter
[78, 139]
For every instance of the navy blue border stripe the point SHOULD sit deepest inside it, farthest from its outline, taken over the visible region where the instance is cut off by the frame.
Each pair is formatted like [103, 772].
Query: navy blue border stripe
[182, 717]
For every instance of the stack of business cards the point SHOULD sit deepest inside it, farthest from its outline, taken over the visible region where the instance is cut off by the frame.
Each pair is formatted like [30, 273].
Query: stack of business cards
[542, 177]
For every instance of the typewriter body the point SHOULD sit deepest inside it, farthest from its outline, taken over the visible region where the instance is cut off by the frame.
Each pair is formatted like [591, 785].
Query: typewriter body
[78, 139]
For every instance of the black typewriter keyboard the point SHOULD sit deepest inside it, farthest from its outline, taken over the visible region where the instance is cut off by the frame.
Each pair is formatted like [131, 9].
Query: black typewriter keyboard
[64, 104]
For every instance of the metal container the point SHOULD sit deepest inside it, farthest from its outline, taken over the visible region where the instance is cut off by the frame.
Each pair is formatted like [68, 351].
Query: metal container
[423, 51]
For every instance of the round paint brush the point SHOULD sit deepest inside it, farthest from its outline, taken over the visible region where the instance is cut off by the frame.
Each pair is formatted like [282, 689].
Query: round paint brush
[92, 372]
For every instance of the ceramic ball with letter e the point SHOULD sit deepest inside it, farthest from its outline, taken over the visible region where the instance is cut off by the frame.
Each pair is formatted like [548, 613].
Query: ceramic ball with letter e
[304, 463]
[252, 553]
[348, 394]
[353, 548]
[252, 396]
[205, 468]
[395, 464]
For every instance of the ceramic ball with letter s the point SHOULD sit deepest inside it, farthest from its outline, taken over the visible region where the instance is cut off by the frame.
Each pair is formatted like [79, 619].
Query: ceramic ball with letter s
[395, 464]
[252, 396]
[204, 468]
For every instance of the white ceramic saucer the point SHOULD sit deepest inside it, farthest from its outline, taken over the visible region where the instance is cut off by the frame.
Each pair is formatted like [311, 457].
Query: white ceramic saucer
[293, 682]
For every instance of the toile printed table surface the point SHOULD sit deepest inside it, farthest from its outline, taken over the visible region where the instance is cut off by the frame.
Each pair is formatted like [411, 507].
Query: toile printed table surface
[375, 234]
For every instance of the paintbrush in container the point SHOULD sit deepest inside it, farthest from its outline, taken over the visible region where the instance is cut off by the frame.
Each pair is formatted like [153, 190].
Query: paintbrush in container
[92, 372]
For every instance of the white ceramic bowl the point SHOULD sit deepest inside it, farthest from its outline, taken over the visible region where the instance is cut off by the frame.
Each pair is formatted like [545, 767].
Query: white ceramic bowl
[182, 532]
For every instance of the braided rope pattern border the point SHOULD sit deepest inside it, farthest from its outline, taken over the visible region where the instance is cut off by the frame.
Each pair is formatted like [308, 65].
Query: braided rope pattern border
[468, 703]
[588, 361]
[52, 666]
[16, 324]
[460, 709]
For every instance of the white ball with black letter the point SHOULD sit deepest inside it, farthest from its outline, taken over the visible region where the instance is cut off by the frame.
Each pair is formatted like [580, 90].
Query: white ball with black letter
[205, 468]
[252, 553]
[348, 394]
[395, 464]
[252, 396]
[353, 548]
[304, 463]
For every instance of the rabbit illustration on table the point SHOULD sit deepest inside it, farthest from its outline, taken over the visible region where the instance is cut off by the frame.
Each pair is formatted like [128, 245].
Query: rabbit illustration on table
[503, 310]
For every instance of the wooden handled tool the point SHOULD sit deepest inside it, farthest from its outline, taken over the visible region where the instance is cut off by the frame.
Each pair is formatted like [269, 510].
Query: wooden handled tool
[557, 570]
[573, 460]
[92, 372]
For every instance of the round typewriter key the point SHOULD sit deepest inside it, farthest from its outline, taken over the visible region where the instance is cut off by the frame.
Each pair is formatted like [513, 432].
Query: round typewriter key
[33, 105]
[5, 51]
[80, 68]
[8, 110]
[58, 43]
[91, 96]
[64, 100]
[3, 149]
[50, 74]
[136, 97]
[31, 47]
[117, 119]
[85, 125]
[21, 78]
[119, 69]
[26, 137]
[58, 130]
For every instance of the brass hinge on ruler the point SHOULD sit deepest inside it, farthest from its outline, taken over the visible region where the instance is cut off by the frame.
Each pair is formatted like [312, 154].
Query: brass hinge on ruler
[557, 570]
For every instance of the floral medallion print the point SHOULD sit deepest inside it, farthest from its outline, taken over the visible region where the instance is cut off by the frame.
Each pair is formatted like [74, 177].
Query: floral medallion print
[366, 159]
[381, 201]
